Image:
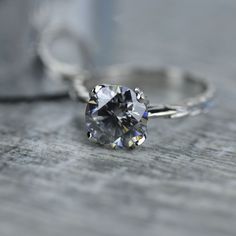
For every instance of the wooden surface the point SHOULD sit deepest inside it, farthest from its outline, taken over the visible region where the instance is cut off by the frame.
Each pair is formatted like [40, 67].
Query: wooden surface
[182, 181]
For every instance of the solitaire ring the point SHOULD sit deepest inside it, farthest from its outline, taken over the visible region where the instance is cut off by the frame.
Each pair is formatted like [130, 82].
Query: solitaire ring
[117, 110]
[116, 116]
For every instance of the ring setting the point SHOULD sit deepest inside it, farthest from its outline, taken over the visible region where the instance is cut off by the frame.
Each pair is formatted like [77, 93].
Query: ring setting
[116, 116]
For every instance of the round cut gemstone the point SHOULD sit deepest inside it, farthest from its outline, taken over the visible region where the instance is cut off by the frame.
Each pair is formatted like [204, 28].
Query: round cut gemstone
[116, 116]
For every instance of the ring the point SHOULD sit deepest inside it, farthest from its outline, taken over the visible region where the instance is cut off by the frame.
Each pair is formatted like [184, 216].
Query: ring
[116, 116]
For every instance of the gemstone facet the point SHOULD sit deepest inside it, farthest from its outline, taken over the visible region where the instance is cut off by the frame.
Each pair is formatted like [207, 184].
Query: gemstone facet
[116, 116]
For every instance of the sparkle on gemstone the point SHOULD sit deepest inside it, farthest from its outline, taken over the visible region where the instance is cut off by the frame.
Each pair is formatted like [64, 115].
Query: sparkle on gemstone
[116, 116]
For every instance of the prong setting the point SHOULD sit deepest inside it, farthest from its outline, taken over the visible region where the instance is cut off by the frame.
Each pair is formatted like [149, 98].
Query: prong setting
[140, 95]
[116, 116]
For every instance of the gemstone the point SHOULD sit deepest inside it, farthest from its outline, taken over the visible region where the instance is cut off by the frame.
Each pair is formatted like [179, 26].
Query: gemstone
[116, 116]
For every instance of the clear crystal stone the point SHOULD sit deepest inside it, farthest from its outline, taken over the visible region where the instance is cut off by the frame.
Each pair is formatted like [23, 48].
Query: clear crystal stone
[116, 116]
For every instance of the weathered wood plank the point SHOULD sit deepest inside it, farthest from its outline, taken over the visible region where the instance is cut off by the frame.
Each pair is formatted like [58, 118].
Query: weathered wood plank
[182, 181]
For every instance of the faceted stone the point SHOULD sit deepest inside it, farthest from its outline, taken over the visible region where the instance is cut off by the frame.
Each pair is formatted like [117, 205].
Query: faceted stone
[117, 116]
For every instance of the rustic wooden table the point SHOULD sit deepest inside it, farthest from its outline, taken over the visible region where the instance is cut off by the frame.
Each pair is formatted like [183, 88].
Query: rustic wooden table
[182, 181]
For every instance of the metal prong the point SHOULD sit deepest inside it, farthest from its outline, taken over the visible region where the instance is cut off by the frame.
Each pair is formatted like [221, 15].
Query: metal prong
[140, 95]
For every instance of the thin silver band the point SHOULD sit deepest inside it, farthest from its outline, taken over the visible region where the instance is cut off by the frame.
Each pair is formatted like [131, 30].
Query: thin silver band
[201, 102]
[84, 78]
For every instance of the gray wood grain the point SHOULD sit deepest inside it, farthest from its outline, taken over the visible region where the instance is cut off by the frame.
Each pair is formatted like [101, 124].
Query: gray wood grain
[182, 181]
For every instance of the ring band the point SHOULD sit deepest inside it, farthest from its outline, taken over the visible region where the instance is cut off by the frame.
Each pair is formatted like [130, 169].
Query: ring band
[169, 77]
[116, 116]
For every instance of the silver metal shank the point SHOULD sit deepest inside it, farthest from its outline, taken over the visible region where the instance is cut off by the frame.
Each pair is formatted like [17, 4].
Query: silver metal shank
[84, 78]
[201, 92]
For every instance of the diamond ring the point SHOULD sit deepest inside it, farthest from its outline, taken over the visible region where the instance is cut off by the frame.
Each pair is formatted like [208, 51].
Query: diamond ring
[116, 116]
